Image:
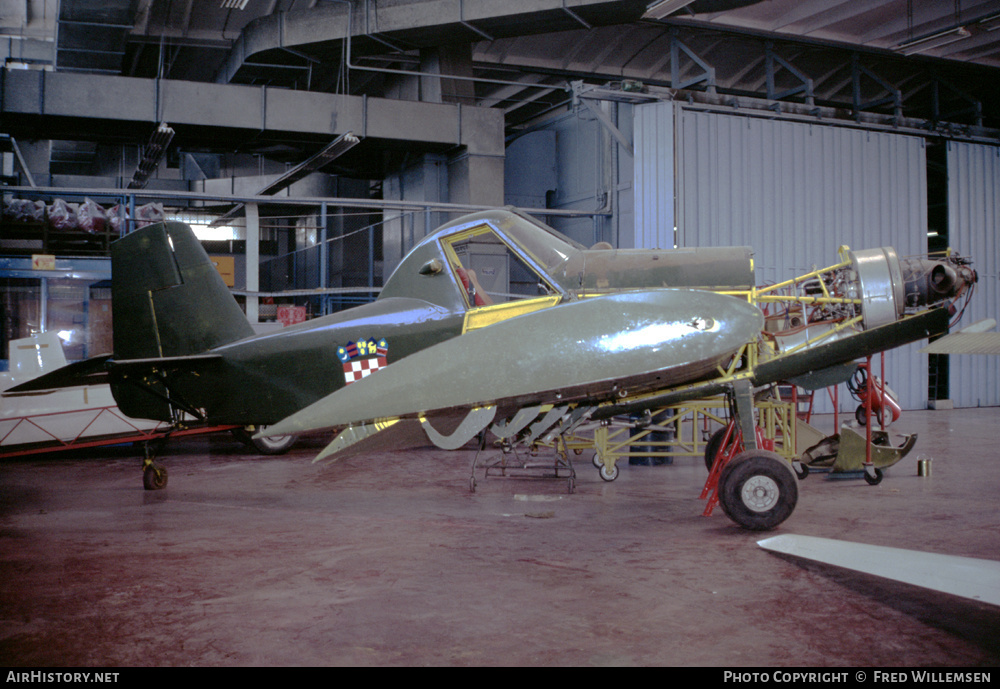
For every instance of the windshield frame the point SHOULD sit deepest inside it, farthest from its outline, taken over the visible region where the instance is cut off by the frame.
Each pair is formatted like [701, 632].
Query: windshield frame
[480, 226]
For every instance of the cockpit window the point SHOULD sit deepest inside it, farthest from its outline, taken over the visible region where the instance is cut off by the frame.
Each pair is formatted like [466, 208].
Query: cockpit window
[489, 270]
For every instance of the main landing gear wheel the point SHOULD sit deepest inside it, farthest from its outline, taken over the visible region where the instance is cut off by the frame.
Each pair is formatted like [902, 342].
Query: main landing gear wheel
[154, 476]
[266, 445]
[758, 490]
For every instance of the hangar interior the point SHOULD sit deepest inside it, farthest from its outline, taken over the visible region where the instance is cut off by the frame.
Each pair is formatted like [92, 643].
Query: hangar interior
[313, 143]
[793, 128]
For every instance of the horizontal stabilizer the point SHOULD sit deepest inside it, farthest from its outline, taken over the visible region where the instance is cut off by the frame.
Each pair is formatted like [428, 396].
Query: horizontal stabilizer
[174, 362]
[975, 339]
[87, 372]
[960, 576]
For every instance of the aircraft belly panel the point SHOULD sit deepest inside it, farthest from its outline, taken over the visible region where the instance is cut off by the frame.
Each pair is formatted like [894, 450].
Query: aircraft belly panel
[589, 349]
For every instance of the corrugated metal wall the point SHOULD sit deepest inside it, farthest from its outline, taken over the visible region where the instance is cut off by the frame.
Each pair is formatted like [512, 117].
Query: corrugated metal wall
[795, 192]
[653, 178]
[973, 229]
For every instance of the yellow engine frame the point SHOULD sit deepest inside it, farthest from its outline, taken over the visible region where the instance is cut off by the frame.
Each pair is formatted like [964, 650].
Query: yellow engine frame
[695, 421]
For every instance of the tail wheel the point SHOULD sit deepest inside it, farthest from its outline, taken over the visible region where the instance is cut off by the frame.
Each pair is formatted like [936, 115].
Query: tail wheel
[154, 477]
[758, 490]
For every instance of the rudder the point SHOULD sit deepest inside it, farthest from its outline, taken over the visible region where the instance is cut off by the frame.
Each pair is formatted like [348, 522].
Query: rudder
[167, 297]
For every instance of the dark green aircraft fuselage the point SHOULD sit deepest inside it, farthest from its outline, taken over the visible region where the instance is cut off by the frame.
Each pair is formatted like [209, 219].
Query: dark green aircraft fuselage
[182, 342]
[264, 378]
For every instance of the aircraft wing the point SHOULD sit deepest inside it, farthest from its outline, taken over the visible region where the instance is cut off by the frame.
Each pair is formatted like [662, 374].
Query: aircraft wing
[809, 362]
[871, 341]
[961, 576]
[590, 350]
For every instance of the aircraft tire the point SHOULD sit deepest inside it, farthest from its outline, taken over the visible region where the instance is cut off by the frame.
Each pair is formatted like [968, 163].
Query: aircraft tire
[154, 477]
[267, 445]
[758, 490]
[713, 446]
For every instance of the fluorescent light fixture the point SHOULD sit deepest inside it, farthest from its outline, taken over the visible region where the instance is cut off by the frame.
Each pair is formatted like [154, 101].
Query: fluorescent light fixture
[152, 154]
[932, 41]
[990, 23]
[207, 233]
[659, 10]
[342, 144]
[234, 4]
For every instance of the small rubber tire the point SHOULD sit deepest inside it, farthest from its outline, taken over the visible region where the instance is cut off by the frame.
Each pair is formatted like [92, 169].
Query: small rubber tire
[609, 475]
[876, 479]
[758, 490]
[154, 477]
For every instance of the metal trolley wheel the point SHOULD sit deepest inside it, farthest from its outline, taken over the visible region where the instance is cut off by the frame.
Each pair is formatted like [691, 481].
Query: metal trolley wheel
[609, 475]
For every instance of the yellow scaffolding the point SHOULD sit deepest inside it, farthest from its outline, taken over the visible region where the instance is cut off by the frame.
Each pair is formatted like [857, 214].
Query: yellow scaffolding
[692, 423]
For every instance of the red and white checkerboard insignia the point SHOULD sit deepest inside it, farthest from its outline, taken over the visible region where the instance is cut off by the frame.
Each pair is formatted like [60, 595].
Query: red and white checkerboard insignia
[355, 367]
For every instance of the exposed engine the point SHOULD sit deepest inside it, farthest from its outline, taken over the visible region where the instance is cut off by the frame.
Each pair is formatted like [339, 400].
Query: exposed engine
[870, 288]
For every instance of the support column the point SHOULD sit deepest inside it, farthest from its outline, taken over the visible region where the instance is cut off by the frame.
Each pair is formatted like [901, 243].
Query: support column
[253, 262]
[743, 396]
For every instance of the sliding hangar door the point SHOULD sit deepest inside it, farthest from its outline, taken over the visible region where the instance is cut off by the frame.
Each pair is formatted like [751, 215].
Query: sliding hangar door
[973, 229]
[794, 191]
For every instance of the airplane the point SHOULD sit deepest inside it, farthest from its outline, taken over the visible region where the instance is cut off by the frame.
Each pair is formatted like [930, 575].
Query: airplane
[497, 323]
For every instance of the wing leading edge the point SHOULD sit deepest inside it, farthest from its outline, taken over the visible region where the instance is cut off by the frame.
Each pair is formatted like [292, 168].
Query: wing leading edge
[961, 576]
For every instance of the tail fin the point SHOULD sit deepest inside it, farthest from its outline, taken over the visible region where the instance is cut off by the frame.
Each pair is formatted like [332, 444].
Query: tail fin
[168, 299]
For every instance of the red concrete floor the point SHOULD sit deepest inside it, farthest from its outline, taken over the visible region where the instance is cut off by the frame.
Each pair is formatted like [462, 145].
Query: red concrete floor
[390, 560]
